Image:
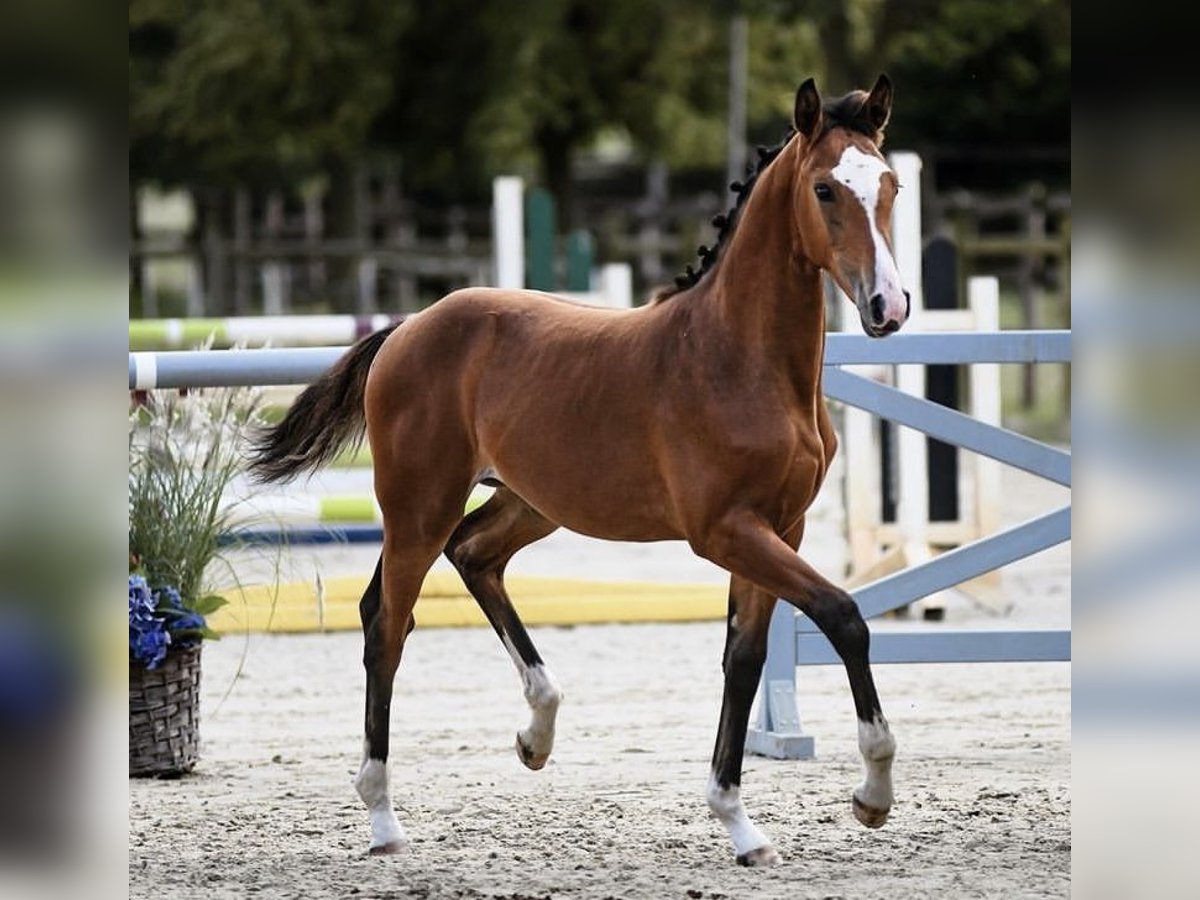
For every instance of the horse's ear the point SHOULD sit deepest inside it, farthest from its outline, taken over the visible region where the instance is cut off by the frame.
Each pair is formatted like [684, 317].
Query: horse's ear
[807, 115]
[879, 103]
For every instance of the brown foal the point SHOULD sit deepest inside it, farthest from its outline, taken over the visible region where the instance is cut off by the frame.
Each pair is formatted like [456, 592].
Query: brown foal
[697, 417]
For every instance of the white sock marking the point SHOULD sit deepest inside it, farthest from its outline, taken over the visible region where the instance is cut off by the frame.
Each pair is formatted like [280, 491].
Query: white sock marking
[372, 786]
[543, 696]
[861, 173]
[877, 746]
[726, 805]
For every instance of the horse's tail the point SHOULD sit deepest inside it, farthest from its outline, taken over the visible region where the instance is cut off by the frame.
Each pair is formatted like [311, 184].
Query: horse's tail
[327, 416]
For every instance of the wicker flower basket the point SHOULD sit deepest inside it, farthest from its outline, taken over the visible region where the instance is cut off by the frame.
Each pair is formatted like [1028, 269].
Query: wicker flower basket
[164, 715]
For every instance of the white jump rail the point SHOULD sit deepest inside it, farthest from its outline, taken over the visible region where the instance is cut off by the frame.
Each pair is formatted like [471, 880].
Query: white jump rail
[152, 370]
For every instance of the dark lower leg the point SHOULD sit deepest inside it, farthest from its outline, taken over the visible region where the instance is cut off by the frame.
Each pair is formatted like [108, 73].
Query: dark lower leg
[750, 549]
[480, 548]
[386, 610]
[745, 652]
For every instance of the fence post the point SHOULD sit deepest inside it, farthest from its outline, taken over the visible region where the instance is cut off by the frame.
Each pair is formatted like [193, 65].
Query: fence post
[777, 732]
[983, 297]
[368, 280]
[616, 285]
[912, 513]
[508, 230]
[580, 250]
[540, 230]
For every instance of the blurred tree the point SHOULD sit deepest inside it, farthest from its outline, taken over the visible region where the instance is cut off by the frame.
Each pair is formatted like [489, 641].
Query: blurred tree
[483, 87]
[983, 74]
[228, 91]
[271, 92]
[967, 72]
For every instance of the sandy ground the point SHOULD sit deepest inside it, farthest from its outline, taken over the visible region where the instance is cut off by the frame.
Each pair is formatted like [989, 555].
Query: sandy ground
[982, 774]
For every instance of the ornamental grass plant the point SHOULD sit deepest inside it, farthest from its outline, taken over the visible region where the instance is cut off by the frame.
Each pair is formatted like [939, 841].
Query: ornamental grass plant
[184, 457]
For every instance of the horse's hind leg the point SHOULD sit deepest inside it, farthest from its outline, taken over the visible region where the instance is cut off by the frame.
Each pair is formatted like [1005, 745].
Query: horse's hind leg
[386, 610]
[480, 548]
[381, 657]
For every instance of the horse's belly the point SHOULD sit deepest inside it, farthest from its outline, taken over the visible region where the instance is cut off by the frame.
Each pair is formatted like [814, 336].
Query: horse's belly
[590, 500]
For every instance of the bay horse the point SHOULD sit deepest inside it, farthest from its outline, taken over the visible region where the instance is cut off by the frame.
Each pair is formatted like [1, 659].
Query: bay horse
[698, 416]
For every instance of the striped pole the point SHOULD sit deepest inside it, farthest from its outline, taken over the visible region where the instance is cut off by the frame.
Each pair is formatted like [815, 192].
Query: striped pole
[307, 509]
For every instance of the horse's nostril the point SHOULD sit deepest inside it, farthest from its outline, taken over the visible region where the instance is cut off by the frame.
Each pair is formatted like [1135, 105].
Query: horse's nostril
[907, 304]
[877, 311]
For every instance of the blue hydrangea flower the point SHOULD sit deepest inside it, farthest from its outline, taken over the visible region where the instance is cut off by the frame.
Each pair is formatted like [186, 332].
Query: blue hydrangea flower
[150, 646]
[174, 601]
[141, 603]
[148, 638]
[159, 620]
[187, 621]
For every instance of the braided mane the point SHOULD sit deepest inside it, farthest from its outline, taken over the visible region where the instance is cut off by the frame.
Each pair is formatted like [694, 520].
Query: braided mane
[848, 112]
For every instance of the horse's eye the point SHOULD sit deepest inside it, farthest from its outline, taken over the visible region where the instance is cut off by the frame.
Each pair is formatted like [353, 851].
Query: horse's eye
[824, 193]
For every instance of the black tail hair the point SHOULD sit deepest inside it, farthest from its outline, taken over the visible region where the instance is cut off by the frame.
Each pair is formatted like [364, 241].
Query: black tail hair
[326, 416]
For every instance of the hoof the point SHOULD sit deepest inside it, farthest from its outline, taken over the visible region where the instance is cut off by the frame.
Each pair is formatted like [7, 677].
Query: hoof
[868, 815]
[391, 848]
[760, 856]
[530, 759]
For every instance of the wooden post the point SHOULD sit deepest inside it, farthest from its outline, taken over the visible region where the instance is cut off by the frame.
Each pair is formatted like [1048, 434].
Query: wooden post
[274, 276]
[580, 252]
[363, 219]
[939, 272]
[616, 285]
[912, 513]
[1035, 230]
[650, 233]
[508, 231]
[539, 240]
[983, 296]
[863, 474]
[314, 228]
[243, 278]
[214, 251]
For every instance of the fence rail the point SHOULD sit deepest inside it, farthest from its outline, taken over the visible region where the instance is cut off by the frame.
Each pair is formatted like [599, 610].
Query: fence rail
[300, 365]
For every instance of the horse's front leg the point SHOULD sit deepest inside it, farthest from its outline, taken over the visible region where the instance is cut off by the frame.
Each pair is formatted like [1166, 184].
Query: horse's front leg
[745, 651]
[745, 545]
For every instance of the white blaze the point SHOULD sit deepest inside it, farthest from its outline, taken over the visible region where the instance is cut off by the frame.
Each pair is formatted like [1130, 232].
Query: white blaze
[861, 173]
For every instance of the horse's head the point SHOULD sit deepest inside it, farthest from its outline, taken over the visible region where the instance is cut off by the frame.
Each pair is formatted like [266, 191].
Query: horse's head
[843, 199]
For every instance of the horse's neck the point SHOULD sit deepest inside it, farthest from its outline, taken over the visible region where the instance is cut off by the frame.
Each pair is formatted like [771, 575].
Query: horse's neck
[765, 293]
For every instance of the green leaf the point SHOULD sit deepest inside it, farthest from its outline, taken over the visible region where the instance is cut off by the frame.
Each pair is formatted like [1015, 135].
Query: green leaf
[209, 604]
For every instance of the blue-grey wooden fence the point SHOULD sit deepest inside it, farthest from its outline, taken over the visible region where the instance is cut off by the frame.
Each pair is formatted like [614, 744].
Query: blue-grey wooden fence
[794, 639]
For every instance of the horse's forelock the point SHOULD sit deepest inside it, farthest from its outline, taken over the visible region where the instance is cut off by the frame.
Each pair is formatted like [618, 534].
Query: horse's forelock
[850, 112]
